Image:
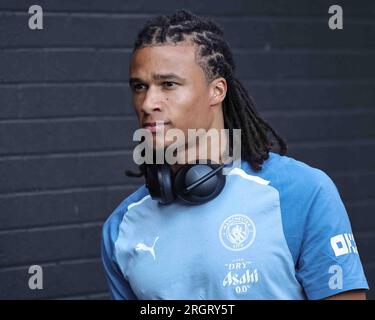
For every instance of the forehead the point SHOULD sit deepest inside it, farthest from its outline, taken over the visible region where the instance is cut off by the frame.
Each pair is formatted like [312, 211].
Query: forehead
[178, 59]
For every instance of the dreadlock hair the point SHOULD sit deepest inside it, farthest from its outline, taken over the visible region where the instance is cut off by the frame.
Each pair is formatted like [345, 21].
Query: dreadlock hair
[214, 56]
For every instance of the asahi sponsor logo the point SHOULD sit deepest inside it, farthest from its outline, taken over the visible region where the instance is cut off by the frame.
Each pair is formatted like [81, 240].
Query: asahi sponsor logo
[247, 277]
[240, 276]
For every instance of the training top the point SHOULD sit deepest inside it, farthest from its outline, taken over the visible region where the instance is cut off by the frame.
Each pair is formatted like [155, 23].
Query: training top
[280, 233]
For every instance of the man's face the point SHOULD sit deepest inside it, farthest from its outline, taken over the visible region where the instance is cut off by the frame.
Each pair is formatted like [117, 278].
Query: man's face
[168, 85]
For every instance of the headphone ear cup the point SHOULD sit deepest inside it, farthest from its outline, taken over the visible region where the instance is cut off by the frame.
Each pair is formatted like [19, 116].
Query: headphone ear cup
[207, 191]
[159, 183]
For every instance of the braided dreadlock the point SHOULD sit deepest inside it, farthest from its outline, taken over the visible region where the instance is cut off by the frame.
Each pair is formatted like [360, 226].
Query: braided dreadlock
[215, 58]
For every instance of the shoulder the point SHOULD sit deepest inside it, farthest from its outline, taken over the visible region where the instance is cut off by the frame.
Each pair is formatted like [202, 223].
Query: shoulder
[309, 200]
[305, 191]
[111, 225]
[286, 172]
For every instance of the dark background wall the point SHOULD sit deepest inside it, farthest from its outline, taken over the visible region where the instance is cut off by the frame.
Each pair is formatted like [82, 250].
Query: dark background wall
[66, 121]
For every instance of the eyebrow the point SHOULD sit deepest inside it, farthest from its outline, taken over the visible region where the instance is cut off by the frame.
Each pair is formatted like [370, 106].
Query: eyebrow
[167, 76]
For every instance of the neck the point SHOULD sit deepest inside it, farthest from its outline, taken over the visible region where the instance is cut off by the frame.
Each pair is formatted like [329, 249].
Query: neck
[208, 146]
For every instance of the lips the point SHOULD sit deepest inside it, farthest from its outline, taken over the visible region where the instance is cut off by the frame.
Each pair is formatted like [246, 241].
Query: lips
[155, 126]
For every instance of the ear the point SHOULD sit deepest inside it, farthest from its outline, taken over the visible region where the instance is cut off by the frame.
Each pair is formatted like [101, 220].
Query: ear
[218, 91]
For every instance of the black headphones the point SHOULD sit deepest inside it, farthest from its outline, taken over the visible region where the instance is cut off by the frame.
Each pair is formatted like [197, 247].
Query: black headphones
[194, 183]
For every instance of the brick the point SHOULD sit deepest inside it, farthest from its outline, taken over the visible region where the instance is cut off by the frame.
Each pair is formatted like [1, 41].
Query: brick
[355, 186]
[62, 30]
[365, 244]
[64, 65]
[281, 33]
[362, 215]
[60, 207]
[311, 95]
[64, 100]
[48, 136]
[58, 172]
[336, 158]
[40, 245]
[59, 279]
[285, 65]
[300, 127]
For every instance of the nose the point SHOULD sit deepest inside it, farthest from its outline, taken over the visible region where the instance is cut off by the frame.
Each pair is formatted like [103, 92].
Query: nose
[152, 101]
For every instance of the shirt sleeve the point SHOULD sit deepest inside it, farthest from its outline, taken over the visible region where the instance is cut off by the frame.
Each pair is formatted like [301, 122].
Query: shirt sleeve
[119, 287]
[329, 262]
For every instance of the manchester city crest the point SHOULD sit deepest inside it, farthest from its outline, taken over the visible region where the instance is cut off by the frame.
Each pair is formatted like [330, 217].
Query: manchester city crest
[237, 232]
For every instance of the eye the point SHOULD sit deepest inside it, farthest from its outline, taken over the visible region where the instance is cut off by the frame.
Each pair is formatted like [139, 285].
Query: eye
[137, 87]
[169, 84]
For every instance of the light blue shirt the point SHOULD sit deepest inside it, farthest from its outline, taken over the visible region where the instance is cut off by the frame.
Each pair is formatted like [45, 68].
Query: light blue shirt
[281, 233]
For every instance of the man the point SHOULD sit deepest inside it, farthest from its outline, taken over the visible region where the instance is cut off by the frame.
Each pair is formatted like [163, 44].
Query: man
[277, 230]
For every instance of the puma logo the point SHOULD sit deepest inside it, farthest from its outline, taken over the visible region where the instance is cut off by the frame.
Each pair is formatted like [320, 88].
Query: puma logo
[142, 247]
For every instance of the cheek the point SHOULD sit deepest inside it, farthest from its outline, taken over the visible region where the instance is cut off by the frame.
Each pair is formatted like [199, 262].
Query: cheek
[191, 110]
[138, 113]
[137, 108]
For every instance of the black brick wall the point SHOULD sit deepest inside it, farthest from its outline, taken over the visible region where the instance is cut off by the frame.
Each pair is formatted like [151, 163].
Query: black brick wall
[66, 121]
